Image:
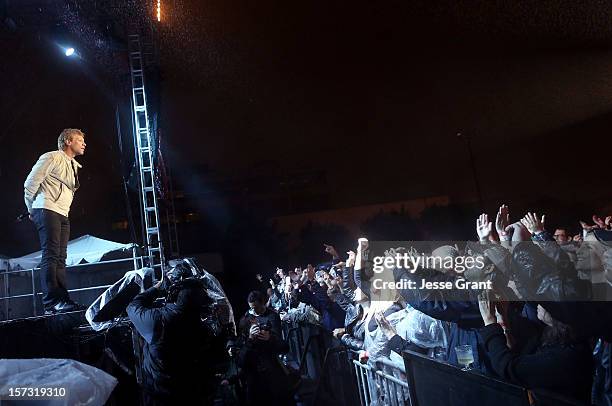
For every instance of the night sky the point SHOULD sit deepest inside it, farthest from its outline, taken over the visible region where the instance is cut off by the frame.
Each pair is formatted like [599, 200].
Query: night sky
[371, 93]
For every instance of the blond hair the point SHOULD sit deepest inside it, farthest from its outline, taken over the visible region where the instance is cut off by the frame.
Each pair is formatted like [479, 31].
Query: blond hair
[66, 135]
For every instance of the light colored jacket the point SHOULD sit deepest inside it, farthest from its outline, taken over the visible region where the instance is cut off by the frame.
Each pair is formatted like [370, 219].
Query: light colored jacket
[51, 183]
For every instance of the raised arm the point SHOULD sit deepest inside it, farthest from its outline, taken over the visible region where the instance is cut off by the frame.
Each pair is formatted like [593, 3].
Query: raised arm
[142, 313]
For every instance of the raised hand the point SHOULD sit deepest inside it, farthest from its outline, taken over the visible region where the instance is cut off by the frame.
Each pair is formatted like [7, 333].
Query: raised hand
[362, 244]
[487, 310]
[483, 227]
[604, 224]
[384, 325]
[502, 220]
[600, 223]
[587, 227]
[533, 223]
[288, 290]
[327, 280]
[350, 261]
[518, 231]
[304, 276]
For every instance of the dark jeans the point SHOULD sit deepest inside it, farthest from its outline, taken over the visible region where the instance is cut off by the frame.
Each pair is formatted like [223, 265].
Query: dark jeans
[53, 232]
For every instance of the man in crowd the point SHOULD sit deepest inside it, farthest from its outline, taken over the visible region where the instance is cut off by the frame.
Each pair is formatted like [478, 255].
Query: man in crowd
[266, 379]
[561, 236]
[49, 190]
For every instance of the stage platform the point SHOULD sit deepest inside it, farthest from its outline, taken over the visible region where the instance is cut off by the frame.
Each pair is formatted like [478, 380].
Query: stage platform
[69, 336]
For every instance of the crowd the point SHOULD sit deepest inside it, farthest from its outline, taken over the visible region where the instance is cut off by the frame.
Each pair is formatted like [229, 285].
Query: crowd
[544, 324]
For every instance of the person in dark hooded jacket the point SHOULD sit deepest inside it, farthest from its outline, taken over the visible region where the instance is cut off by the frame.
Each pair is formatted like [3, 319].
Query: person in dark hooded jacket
[176, 346]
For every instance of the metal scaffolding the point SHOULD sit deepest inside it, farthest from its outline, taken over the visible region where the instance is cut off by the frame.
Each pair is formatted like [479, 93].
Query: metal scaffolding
[144, 152]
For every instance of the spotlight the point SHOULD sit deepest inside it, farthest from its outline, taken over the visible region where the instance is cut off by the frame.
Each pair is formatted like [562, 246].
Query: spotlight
[69, 51]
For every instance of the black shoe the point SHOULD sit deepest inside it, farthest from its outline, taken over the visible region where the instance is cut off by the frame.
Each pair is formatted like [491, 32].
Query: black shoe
[77, 306]
[62, 307]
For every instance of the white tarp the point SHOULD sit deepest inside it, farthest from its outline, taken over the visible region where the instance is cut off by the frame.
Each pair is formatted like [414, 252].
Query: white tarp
[87, 247]
[83, 384]
[136, 276]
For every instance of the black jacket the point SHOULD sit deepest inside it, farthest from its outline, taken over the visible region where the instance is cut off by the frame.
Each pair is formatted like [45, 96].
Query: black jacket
[332, 315]
[258, 355]
[266, 379]
[175, 348]
[566, 369]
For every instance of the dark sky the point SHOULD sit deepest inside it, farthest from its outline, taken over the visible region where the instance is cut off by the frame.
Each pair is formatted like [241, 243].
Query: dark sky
[371, 93]
[374, 93]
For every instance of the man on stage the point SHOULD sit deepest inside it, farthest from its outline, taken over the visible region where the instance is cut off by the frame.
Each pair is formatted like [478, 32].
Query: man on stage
[49, 190]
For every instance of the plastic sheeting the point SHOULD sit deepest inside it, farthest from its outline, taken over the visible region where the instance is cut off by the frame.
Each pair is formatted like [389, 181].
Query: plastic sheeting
[116, 298]
[422, 330]
[375, 342]
[411, 325]
[87, 247]
[84, 385]
[224, 311]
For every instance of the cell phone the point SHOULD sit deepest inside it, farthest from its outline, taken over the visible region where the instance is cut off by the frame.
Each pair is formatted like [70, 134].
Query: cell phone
[264, 326]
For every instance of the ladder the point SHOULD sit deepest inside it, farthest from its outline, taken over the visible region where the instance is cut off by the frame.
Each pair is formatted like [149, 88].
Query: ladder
[144, 153]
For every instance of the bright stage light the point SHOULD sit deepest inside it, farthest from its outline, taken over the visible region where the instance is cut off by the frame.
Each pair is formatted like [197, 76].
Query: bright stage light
[158, 10]
[69, 51]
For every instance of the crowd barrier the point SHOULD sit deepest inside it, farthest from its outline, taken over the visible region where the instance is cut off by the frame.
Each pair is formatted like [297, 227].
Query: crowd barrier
[432, 382]
[381, 384]
[340, 379]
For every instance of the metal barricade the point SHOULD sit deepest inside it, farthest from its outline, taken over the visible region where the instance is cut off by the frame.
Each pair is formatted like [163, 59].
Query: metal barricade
[305, 348]
[293, 335]
[379, 383]
[382, 384]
